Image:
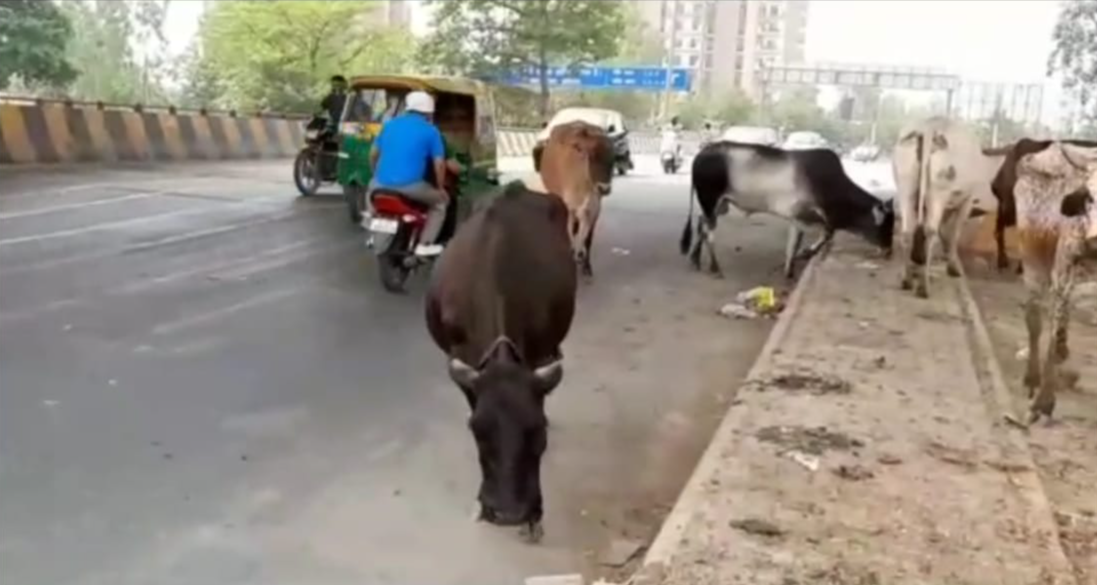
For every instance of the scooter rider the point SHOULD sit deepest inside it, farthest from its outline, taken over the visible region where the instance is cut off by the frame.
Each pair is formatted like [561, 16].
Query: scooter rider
[334, 102]
[399, 160]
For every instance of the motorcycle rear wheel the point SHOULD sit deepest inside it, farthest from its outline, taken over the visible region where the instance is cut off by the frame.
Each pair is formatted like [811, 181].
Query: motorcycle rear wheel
[306, 174]
[394, 274]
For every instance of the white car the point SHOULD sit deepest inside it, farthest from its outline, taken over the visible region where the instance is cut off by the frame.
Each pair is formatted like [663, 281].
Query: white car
[804, 141]
[752, 135]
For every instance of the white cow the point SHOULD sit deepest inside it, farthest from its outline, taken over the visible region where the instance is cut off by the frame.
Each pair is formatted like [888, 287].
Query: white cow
[940, 170]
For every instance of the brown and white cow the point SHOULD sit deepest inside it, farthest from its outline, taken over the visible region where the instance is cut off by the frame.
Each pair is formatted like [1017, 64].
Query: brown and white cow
[1003, 186]
[1056, 222]
[577, 165]
[940, 170]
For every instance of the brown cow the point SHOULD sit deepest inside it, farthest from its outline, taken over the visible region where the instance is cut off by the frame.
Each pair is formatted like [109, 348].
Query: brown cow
[577, 165]
[500, 303]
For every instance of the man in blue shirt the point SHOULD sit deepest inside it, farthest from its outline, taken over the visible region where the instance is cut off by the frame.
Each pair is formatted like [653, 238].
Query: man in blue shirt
[399, 158]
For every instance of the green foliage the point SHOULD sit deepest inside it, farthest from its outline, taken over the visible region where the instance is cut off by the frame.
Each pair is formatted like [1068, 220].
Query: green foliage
[639, 44]
[102, 48]
[1075, 51]
[729, 108]
[34, 36]
[279, 55]
[635, 107]
[487, 37]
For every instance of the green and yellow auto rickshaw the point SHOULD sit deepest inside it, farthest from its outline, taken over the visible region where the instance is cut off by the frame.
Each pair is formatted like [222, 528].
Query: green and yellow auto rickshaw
[465, 114]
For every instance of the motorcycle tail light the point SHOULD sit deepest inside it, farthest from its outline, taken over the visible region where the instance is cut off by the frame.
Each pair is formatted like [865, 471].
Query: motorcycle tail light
[409, 218]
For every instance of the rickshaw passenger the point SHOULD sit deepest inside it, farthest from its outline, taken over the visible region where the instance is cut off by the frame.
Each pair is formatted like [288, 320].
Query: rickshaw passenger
[399, 161]
[393, 106]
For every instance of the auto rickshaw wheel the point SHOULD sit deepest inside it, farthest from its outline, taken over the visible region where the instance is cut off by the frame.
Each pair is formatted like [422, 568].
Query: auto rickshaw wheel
[305, 173]
[352, 194]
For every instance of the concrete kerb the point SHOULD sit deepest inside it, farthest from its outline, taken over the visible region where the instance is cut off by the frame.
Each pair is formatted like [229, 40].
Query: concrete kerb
[1000, 401]
[663, 548]
[996, 394]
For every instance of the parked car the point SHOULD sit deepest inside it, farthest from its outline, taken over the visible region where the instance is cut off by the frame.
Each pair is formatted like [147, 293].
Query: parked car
[609, 120]
[752, 135]
[804, 140]
[865, 153]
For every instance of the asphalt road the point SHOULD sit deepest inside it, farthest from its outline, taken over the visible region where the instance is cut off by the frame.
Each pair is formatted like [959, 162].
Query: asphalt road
[201, 381]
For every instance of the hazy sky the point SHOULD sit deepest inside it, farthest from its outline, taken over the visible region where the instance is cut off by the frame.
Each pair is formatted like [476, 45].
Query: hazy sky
[986, 40]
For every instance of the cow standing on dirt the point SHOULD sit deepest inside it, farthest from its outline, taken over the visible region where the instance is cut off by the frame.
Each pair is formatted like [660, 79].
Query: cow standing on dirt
[500, 303]
[577, 165]
[1056, 222]
[807, 187]
[1003, 186]
[940, 170]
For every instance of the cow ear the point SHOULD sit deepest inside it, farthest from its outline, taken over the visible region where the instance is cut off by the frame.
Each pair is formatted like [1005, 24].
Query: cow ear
[1076, 203]
[463, 374]
[549, 377]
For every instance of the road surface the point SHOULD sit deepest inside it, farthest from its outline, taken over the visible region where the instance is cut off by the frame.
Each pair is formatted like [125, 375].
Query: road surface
[202, 382]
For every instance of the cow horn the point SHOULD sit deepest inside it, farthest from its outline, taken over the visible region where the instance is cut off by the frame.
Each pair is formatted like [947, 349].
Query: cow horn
[549, 376]
[462, 374]
[1079, 154]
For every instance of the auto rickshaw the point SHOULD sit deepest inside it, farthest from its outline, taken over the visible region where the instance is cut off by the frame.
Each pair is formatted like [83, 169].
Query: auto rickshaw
[465, 114]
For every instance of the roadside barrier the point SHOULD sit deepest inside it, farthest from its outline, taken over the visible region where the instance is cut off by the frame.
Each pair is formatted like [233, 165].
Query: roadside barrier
[58, 132]
[39, 131]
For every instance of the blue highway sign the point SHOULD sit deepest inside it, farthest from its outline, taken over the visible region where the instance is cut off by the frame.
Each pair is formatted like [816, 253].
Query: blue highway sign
[638, 78]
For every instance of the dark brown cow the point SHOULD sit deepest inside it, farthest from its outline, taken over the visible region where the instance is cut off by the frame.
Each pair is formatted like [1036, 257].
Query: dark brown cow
[1005, 182]
[501, 301]
[577, 165]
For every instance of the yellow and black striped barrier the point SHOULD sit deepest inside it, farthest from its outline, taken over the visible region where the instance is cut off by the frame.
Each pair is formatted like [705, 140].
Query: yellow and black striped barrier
[58, 132]
[65, 132]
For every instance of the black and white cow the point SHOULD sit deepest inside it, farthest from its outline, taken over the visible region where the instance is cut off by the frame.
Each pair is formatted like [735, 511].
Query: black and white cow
[807, 187]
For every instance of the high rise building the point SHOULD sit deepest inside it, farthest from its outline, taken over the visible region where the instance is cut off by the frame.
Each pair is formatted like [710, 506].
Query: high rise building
[398, 13]
[726, 43]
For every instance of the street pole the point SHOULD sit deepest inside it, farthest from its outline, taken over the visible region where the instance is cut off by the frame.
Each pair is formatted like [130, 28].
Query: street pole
[670, 59]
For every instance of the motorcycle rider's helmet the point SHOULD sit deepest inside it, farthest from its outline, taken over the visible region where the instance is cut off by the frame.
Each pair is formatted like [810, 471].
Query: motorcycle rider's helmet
[419, 101]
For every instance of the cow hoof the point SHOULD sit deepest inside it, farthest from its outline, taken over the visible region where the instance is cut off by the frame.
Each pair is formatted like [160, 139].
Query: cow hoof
[532, 533]
[1041, 409]
[953, 270]
[921, 292]
[486, 515]
[905, 284]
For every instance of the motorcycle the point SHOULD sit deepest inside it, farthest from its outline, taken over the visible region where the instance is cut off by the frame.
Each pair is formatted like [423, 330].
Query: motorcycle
[622, 157]
[394, 230]
[670, 152]
[317, 162]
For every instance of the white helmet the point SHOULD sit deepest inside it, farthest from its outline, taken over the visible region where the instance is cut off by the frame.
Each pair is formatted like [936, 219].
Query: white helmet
[419, 101]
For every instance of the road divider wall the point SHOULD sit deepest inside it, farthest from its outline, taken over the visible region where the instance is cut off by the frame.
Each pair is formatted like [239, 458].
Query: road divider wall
[65, 132]
[59, 132]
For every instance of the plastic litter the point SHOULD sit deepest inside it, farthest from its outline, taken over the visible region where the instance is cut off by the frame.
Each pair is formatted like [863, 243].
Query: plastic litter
[809, 462]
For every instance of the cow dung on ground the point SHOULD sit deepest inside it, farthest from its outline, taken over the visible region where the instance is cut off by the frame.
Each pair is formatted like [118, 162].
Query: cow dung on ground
[811, 440]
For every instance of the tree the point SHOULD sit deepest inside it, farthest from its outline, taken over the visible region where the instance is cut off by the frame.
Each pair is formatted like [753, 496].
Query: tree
[732, 107]
[486, 38]
[1075, 50]
[34, 37]
[102, 51]
[279, 54]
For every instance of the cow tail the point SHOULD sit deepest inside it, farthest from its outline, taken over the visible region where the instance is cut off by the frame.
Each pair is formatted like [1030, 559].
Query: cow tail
[687, 232]
[921, 190]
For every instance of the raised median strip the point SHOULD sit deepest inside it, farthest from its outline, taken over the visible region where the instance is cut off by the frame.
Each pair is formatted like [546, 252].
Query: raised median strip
[867, 446]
